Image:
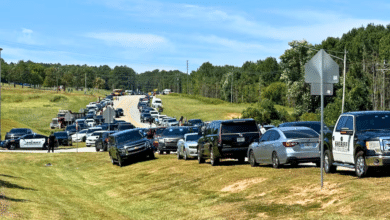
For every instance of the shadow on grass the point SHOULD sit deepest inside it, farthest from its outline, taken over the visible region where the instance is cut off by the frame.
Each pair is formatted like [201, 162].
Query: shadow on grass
[12, 199]
[380, 172]
[5, 175]
[137, 160]
[7, 184]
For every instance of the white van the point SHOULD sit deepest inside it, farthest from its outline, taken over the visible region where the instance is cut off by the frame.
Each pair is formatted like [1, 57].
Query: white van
[156, 102]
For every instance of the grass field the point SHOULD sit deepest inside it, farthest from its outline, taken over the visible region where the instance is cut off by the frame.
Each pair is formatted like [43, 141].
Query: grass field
[33, 108]
[88, 186]
[177, 106]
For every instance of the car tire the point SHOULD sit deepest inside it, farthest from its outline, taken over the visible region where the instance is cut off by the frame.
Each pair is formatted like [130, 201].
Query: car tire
[213, 159]
[151, 155]
[97, 149]
[44, 147]
[168, 152]
[361, 168]
[120, 161]
[275, 160]
[185, 155]
[328, 162]
[84, 139]
[12, 147]
[160, 152]
[200, 158]
[178, 155]
[252, 159]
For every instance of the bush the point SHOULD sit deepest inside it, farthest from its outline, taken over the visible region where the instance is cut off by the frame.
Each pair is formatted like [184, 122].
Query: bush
[310, 117]
[275, 92]
[58, 98]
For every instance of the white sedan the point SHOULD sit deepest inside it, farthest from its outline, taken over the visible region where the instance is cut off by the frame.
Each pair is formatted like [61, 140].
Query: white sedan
[80, 136]
[188, 147]
[91, 140]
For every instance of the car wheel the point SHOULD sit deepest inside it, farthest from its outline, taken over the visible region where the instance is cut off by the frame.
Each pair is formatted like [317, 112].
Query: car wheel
[361, 167]
[12, 147]
[200, 158]
[84, 139]
[252, 159]
[275, 160]
[97, 149]
[168, 152]
[213, 159]
[119, 159]
[178, 155]
[328, 163]
[160, 152]
[185, 155]
[151, 155]
[71, 143]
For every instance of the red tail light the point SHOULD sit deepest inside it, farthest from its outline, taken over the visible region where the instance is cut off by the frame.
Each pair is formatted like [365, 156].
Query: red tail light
[290, 144]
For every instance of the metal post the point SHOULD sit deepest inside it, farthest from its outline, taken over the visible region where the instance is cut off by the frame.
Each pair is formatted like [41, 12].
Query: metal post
[344, 72]
[0, 91]
[231, 89]
[187, 78]
[322, 124]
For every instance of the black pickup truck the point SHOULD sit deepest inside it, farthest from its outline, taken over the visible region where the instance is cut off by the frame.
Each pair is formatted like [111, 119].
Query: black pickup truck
[227, 139]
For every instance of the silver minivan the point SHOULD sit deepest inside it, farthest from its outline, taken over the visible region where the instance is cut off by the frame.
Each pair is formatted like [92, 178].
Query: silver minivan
[286, 145]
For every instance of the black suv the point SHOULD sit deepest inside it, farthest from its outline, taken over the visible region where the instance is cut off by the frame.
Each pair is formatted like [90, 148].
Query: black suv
[63, 138]
[227, 139]
[12, 137]
[129, 144]
[102, 141]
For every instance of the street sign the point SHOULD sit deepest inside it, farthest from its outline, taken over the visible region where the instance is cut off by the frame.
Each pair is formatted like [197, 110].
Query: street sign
[323, 64]
[109, 115]
[315, 89]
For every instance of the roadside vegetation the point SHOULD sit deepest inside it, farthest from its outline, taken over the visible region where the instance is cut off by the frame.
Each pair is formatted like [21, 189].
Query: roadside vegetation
[34, 108]
[88, 186]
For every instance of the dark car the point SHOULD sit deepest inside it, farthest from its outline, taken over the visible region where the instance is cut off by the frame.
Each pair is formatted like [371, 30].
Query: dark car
[71, 129]
[63, 138]
[102, 141]
[124, 126]
[146, 117]
[89, 115]
[195, 122]
[28, 141]
[16, 133]
[129, 144]
[120, 111]
[167, 142]
[99, 119]
[227, 139]
[315, 125]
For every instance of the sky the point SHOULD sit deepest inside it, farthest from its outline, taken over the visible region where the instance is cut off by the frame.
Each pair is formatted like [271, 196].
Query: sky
[149, 35]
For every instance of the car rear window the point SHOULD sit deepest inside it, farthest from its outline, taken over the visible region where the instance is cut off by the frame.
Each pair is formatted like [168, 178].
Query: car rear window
[174, 131]
[19, 130]
[300, 133]
[61, 134]
[239, 127]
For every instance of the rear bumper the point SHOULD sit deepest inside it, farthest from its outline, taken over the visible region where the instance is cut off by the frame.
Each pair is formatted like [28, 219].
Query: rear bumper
[233, 152]
[378, 160]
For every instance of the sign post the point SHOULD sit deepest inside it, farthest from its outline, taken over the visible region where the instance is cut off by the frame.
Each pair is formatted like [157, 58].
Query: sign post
[322, 72]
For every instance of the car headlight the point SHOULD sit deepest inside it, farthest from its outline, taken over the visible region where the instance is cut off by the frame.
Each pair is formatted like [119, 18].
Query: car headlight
[373, 145]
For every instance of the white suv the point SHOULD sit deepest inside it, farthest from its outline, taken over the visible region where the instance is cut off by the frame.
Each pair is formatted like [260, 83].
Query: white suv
[91, 140]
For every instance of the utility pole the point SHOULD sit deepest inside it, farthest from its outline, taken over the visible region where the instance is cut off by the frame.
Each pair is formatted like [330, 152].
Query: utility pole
[231, 89]
[85, 82]
[344, 73]
[383, 86]
[187, 78]
[0, 91]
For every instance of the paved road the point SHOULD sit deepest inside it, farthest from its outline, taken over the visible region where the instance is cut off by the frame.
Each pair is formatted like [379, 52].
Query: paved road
[130, 114]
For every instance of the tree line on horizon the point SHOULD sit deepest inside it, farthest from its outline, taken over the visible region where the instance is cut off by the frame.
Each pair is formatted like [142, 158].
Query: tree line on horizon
[264, 82]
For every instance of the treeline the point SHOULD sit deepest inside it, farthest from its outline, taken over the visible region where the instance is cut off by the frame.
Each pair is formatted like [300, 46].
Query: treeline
[368, 51]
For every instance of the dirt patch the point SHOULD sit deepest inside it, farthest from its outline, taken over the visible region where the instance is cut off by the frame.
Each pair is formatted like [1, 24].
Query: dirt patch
[242, 185]
[233, 115]
[256, 196]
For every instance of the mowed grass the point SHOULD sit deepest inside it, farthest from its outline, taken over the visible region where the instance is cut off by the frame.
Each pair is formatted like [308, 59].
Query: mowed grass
[88, 186]
[33, 108]
[177, 106]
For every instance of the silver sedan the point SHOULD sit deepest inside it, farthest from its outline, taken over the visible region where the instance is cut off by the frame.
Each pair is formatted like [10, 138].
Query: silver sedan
[188, 147]
[286, 145]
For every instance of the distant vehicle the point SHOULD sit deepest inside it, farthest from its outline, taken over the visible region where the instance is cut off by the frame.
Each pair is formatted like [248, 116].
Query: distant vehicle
[124, 126]
[102, 141]
[117, 92]
[195, 122]
[90, 122]
[166, 91]
[156, 102]
[63, 138]
[71, 129]
[91, 140]
[154, 114]
[29, 141]
[145, 117]
[120, 111]
[285, 145]
[171, 122]
[128, 144]
[80, 136]
[188, 146]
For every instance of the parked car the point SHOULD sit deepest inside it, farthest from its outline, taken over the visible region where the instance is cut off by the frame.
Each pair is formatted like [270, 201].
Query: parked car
[154, 114]
[91, 130]
[188, 146]
[195, 122]
[91, 140]
[315, 125]
[124, 126]
[102, 141]
[171, 122]
[28, 141]
[227, 139]
[169, 138]
[285, 145]
[146, 117]
[16, 133]
[71, 129]
[120, 111]
[90, 122]
[63, 138]
[79, 136]
[128, 144]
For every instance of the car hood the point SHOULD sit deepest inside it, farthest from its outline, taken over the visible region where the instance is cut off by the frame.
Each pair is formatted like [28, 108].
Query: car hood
[367, 135]
[136, 143]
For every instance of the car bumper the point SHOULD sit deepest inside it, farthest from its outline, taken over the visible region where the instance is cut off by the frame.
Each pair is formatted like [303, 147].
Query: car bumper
[90, 143]
[233, 152]
[170, 146]
[135, 153]
[377, 160]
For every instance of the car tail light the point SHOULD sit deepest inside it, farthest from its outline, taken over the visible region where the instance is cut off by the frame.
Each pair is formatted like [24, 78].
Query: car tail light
[290, 144]
[106, 140]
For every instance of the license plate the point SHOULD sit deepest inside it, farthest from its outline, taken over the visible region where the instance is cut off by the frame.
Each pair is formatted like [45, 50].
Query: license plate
[309, 145]
[240, 139]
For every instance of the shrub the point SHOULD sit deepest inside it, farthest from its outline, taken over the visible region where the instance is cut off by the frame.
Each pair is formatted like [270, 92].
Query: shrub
[58, 98]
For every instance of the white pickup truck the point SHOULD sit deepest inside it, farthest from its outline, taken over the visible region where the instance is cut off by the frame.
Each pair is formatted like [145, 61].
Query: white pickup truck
[360, 140]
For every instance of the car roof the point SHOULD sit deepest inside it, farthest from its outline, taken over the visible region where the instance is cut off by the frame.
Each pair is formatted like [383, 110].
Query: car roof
[365, 112]
[291, 128]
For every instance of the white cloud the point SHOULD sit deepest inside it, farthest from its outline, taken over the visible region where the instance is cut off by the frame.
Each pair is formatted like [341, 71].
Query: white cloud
[26, 37]
[142, 41]
[27, 31]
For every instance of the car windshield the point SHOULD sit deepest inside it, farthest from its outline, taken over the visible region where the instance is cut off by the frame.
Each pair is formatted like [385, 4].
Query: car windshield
[195, 121]
[194, 137]
[153, 112]
[125, 126]
[239, 127]
[157, 101]
[171, 120]
[129, 136]
[300, 133]
[174, 132]
[96, 133]
[159, 131]
[83, 131]
[19, 130]
[71, 128]
[372, 121]
[61, 134]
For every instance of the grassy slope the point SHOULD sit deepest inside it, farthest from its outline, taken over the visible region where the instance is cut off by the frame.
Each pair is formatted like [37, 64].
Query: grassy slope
[176, 106]
[31, 108]
[87, 186]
